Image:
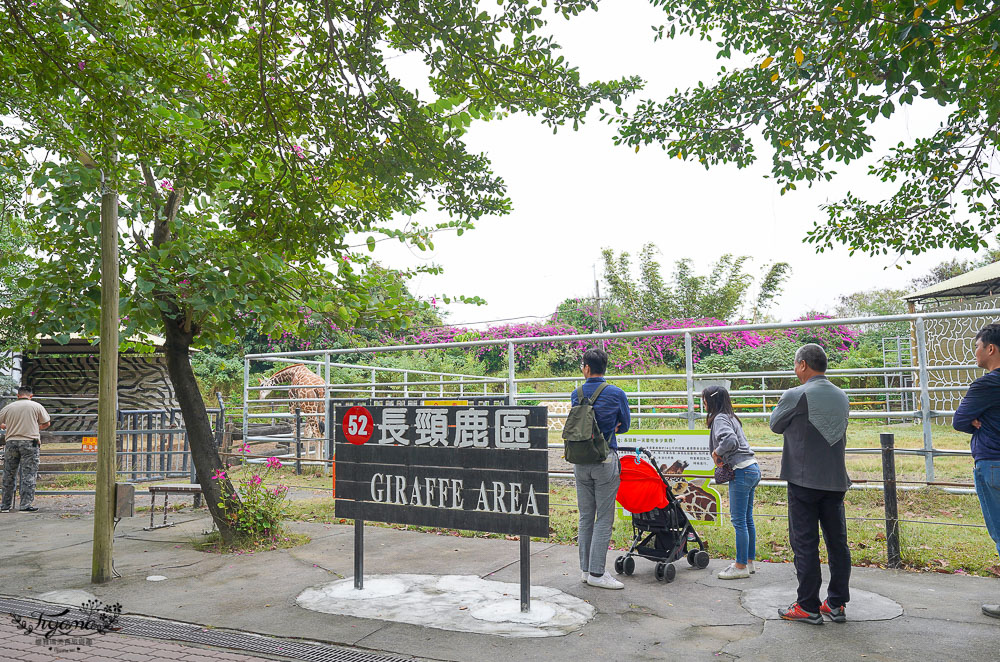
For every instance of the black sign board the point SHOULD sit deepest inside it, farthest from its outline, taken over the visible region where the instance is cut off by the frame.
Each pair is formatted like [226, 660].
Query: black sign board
[438, 463]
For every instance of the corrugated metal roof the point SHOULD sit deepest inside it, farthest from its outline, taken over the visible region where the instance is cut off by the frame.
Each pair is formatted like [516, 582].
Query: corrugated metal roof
[978, 282]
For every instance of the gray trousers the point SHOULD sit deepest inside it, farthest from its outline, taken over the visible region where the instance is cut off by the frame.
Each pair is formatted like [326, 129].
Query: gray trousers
[20, 454]
[596, 488]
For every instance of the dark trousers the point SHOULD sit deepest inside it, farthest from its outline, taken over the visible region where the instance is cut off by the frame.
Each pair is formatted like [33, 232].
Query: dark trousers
[808, 510]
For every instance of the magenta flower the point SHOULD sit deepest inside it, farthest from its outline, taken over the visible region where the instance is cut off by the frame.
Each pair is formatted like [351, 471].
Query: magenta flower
[166, 185]
[219, 475]
[244, 448]
[273, 463]
[256, 480]
[81, 65]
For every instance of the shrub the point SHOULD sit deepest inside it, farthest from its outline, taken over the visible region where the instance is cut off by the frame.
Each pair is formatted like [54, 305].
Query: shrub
[258, 515]
[216, 373]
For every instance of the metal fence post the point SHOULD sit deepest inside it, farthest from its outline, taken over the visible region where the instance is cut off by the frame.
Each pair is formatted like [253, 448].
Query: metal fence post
[888, 442]
[298, 441]
[328, 408]
[638, 401]
[373, 378]
[511, 384]
[525, 542]
[689, 371]
[925, 400]
[406, 387]
[246, 396]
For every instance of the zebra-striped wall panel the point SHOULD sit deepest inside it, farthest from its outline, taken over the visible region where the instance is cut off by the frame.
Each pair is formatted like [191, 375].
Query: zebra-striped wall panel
[143, 383]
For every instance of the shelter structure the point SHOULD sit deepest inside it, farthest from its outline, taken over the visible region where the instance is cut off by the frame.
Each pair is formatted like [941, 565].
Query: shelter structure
[65, 378]
[949, 341]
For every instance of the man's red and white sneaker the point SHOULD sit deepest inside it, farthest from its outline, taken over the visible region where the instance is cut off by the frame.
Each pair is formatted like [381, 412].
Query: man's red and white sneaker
[836, 615]
[797, 613]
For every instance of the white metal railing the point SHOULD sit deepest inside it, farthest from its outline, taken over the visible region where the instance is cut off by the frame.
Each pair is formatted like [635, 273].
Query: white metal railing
[455, 384]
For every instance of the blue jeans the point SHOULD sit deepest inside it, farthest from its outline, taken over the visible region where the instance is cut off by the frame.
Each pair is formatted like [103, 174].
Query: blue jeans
[987, 477]
[741, 489]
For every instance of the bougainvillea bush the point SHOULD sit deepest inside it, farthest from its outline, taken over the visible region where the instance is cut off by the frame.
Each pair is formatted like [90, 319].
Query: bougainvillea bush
[258, 514]
[639, 355]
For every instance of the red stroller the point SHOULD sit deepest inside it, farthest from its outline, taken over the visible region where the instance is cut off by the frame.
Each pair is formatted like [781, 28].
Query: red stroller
[657, 518]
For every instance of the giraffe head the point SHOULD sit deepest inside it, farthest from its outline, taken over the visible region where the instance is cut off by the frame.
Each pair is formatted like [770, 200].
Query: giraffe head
[265, 381]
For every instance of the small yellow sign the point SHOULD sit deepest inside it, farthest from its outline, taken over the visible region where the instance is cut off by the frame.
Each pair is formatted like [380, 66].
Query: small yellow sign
[89, 445]
[445, 403]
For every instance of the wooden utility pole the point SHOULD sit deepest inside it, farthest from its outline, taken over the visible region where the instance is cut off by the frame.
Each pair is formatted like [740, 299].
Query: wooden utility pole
[107, 404]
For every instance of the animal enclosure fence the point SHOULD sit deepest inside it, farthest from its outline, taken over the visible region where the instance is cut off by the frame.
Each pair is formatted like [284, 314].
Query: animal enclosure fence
[896, 392]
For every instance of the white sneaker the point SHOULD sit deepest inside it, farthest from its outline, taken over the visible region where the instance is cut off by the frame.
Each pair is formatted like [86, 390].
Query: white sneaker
[732, 572]
[751, 567]
[584, 576]
[604, 581]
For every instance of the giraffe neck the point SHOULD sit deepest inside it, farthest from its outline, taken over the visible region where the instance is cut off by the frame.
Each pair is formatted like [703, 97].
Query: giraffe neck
[285, 376]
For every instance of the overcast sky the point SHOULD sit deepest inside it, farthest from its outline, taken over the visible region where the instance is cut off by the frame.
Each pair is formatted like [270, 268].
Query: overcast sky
[575, 193]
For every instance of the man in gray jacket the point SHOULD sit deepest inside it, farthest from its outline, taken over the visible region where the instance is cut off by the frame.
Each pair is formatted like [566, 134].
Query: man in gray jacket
[813, 419]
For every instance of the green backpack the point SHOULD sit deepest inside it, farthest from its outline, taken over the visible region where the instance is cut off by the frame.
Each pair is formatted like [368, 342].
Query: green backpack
[584, 443]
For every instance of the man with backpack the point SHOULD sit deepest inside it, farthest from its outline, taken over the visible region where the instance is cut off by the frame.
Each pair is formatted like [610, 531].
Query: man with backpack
[599, 411]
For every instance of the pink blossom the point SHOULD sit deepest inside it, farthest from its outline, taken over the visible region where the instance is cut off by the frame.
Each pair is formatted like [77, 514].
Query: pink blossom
[245, 448]
[256, 480]
[166, 185]
[273, 463]
[219, 475]
[210, 77]
[81, 65]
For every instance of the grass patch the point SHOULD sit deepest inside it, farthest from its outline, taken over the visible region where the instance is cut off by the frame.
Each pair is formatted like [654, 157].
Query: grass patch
[212, 543]
[72, 481]
[930, 546]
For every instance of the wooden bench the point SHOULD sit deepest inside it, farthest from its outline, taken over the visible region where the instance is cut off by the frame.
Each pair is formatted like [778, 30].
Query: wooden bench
[166, 491]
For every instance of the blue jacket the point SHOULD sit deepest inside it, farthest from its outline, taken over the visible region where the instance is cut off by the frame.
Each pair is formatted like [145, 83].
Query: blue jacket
[610, 409]
[982, 402]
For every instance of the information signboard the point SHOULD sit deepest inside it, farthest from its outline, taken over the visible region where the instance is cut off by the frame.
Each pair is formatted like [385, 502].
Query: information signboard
[462, 466]
[683, 457]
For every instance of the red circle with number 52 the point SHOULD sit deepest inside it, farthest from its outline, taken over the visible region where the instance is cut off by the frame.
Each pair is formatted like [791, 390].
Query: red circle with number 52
[358, 425]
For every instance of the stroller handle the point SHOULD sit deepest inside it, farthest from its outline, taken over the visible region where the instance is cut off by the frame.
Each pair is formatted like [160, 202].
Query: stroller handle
[649, 456]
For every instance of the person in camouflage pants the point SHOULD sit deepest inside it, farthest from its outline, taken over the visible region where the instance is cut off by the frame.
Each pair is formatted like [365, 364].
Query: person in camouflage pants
[21, 455]
[23, 421]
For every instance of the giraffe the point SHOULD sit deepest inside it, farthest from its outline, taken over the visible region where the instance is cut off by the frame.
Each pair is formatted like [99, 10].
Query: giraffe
[698, 503]
[313, 386]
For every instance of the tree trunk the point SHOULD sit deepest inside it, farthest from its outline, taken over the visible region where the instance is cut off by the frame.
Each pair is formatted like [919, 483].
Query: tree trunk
[203, 451]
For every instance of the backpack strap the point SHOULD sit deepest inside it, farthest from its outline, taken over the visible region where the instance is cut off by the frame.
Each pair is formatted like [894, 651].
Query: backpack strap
[593, 398]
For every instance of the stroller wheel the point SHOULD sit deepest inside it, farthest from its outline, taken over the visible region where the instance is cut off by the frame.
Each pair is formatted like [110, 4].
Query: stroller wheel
[701, 559]
[665, 572]
[691, 559]
[629, 565]
[620, 564]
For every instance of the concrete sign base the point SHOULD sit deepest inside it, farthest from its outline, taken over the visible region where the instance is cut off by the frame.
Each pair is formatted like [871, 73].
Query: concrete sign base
[458, 603]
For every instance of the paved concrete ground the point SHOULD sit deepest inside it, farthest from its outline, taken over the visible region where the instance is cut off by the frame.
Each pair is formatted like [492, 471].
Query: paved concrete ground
[696, 617]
